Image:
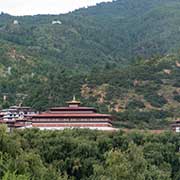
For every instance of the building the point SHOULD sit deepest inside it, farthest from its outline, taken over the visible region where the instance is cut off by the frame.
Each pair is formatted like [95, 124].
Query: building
[15, 116]
[15, 22]
[56, 22]
[73, 116]
[176, 125]
[15, 113]
[56, 118]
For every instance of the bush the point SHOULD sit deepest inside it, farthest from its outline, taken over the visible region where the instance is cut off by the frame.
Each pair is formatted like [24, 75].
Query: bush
[135, 104]
[155, 100]
[177, 98]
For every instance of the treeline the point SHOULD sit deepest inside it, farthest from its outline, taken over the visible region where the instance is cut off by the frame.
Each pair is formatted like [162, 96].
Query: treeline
[85, 154]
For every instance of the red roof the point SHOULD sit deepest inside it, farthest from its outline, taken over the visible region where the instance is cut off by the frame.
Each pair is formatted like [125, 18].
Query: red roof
[72, 108]
[43, 115]
[7, 121]
[19, 125]
[72, 125]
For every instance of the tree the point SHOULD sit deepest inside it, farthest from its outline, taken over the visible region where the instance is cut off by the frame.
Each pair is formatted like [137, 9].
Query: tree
[13, 176]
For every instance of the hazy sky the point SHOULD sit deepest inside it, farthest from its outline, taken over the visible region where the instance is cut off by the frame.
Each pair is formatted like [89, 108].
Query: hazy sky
[30, 7]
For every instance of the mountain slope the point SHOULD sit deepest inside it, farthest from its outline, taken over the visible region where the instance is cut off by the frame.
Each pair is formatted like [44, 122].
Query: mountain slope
[114, 56]
[145, 94]
[114, 32]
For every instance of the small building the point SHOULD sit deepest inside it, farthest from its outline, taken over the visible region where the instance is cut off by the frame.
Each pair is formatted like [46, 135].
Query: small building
[73, 116]
[176, 125]
[15, 116]
[15, 112]
[15, 22]
[56, 22]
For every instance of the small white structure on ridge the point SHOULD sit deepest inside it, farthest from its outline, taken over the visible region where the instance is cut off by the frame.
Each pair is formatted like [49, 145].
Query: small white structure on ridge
[56, 22]
[16, 22]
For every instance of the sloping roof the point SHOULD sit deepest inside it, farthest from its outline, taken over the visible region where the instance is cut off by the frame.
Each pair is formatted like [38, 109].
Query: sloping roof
[72, 108]
[79, 107]
[62, 115]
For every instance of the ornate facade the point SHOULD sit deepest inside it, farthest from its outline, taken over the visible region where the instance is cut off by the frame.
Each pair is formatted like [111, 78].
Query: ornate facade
[57, 118]
[73, 116]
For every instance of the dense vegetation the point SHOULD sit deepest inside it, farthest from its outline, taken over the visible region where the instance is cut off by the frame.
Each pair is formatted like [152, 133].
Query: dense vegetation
[142, 95]
[114, 56]
[114, 32]
[85, 154]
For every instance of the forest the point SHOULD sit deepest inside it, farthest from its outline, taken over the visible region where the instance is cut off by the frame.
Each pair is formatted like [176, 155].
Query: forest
[86, 154]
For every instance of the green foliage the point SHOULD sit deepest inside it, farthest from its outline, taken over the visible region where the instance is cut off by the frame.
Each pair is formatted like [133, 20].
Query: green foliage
[128, 165]
[113, 56]
[104, 35]
[13, 176]
[135, 104]
[119, 50]
[85, 154]
[177, 98]
[156, 100]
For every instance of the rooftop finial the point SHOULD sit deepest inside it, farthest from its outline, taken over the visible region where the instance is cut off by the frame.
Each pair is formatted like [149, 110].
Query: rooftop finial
[74, 101]
[74, 98]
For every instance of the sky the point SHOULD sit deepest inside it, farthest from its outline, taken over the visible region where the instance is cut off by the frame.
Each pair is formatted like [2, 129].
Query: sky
[32, 7]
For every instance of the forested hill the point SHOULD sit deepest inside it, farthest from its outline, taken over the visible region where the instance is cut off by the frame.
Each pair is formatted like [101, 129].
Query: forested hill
[115, 32]
[121, 57]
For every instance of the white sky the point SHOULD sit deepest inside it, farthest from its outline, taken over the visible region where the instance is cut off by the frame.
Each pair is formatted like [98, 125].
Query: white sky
[31, 7]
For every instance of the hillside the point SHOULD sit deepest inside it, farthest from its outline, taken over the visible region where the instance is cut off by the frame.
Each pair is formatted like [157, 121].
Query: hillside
[121, 57]
[144, 95]
[114, 32]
